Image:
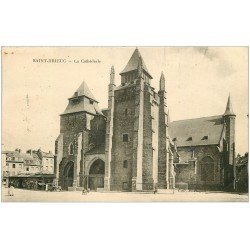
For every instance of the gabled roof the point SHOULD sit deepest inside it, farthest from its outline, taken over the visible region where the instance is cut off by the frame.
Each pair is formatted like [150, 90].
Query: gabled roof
[44, 154]
[199, 131]
[26, 158]
[83, 90]
[133, 63]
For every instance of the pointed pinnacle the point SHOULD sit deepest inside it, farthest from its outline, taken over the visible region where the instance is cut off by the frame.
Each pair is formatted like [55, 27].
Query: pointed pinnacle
[162, 77]
[229, 107]
[112, 75]
[162, 81]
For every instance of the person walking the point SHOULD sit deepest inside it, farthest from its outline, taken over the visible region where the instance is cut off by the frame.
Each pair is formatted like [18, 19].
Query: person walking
[11, 190]
[155, 188]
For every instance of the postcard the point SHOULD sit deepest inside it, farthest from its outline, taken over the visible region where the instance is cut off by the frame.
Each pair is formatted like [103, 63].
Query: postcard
[124, 124]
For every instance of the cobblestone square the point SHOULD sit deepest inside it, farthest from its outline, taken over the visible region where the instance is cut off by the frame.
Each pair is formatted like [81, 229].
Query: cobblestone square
[21, 195]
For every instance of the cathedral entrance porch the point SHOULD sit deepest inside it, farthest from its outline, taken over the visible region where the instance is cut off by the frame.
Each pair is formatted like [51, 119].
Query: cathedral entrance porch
[96, 175]
[68, 176]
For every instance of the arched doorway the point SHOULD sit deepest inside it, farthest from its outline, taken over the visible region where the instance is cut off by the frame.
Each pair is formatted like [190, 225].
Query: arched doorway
[68, 176]
[96, 175]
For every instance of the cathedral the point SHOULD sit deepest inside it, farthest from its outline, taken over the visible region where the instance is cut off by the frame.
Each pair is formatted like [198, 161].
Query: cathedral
[133, 146]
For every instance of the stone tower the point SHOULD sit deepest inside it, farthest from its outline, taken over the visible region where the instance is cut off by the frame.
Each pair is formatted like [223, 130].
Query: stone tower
[229, 158]
[134, 153]
[74, 138]
[163, 173]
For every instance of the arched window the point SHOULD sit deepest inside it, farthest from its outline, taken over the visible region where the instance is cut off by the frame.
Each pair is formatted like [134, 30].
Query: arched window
[125, 163]
[71, 149]
[207, 169]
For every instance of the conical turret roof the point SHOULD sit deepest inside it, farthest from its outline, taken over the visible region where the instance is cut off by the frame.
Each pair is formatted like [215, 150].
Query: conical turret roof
[133, 63]
[162, 81]
[229, 107]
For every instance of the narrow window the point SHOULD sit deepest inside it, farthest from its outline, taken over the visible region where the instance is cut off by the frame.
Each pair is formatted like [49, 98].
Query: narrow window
[125, 137]
[14, 166]
[123, 80]
[71, 149]
[125, 163]
[126, 112]
[56, 147]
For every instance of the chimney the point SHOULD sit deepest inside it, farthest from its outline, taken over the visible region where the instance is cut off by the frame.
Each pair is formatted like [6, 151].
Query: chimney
[29, 152]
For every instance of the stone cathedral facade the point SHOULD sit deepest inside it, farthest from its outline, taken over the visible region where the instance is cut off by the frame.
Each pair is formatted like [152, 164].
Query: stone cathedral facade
[132, 145]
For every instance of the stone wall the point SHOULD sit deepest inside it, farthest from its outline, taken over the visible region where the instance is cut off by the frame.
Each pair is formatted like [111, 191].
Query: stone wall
[150, 130]
[185, 171]
[124, 115]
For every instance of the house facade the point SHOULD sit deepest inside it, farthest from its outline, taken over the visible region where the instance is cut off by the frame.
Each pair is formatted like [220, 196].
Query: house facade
[16, 163]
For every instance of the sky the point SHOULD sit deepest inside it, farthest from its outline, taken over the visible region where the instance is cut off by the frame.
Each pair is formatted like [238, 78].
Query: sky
[198, 82]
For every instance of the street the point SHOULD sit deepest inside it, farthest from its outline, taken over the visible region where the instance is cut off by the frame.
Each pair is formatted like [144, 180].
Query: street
[22, 195]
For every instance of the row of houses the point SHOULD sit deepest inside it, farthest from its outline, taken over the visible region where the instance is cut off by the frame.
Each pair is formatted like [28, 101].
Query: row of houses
[19, 164]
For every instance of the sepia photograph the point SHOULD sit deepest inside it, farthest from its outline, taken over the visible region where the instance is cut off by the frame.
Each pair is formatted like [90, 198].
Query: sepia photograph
[125, 124]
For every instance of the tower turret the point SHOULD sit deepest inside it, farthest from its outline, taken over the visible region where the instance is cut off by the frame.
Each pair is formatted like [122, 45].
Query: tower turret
[162, 82]
[163, 139]
[109, 129]
[134, 156]
[229, 121]
[229, 108]
[131, 71]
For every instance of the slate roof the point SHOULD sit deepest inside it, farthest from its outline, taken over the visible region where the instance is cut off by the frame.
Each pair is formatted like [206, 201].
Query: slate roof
[82, 106]
[84, 101]
[133, 63]
[199, 131]
[45, 154]
[229, 107]
[26, 158]
[84, 90]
